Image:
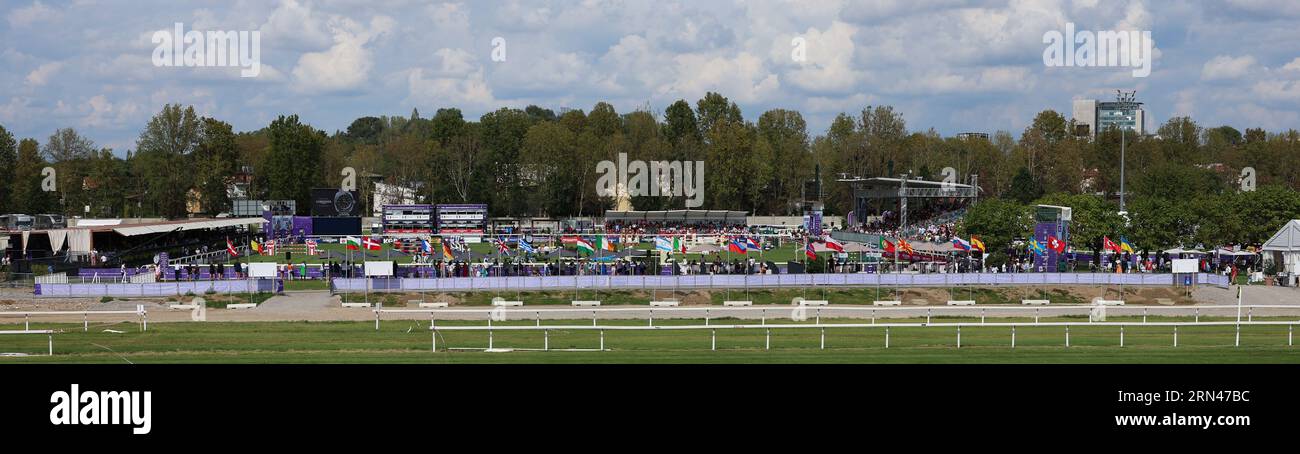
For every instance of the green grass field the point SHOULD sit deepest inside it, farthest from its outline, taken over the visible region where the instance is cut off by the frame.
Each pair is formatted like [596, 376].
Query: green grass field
[409, 341]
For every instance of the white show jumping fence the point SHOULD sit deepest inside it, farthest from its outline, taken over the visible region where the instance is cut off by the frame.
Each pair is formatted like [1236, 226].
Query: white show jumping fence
[500, 314]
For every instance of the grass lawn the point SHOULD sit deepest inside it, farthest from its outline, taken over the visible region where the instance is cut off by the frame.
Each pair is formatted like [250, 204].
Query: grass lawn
[408, 341]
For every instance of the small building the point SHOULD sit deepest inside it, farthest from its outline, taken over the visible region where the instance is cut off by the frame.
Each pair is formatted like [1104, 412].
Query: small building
[1283, 248]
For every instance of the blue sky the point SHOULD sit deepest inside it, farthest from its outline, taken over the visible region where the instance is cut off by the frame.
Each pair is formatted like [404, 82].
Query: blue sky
[951, 65]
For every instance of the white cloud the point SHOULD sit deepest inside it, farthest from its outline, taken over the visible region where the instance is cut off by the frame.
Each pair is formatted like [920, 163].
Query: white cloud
[743, 78]
[829, 65]
[42, 74]
[1224, 67]
[345, 65]
[31, 14]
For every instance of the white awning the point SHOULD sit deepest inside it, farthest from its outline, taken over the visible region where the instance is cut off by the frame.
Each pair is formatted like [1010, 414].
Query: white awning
[186, 225]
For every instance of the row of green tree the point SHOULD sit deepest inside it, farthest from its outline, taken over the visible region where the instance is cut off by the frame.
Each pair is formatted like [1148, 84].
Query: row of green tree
[1152, 223]
[535, 161]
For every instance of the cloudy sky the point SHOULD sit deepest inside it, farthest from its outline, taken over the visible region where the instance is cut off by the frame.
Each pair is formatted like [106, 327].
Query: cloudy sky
[951, 65]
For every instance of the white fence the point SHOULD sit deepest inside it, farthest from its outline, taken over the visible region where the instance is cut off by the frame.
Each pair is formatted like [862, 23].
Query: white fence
[1244, 317]
[139, 312]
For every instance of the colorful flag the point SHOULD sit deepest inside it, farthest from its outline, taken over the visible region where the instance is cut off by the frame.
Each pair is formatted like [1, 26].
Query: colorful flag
[735, 245]
[834, 245]
[679, 245]
[255, 246]
[976, 243]
[525, 246]
[1107, 244]
[585, 246]
[958, 243]
[808, 251]
[751, 244]
[1036, 247]
[885, 245]
[663, 244]
[446, 251]
[371, 244]
[350, 242]
[230, 248]
[605, 242]
[311, 247]
[904, 246]
[1055, 244]
[501, 245]
[269, 249]
[426, 246]
[1126, 246]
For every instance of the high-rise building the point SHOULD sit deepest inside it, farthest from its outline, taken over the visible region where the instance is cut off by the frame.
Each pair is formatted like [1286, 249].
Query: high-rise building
[1092, 116]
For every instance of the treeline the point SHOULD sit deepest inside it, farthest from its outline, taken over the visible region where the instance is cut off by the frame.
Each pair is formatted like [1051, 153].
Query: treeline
[536, 161]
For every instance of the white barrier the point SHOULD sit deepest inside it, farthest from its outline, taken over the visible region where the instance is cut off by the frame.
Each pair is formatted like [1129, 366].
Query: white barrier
[241, 306]
[814, 303]
[503, 303]
[887, 303]
[47, 332]
[85, 316]
[434, 305]
[667, 303]
[590, 303]
[1109, 302]
[356, 305]
[961, 303]
[1035, 302]
[737, 303]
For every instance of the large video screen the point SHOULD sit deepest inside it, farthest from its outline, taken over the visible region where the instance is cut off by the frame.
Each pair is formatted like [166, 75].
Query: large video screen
[335, 202]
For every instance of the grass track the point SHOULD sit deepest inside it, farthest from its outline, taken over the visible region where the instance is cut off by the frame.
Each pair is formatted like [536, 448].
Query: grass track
[358, 342]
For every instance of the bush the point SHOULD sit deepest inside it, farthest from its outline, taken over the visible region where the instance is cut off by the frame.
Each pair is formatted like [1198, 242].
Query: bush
[106, 299]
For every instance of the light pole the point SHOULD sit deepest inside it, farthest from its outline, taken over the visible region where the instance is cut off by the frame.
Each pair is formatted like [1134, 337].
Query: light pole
[1126, 102]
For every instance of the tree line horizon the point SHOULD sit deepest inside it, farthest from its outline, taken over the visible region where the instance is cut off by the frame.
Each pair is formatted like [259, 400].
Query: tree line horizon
[537, 162]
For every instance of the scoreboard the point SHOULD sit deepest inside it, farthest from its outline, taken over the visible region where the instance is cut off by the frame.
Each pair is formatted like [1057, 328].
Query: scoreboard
[463, 219]
[408, 219]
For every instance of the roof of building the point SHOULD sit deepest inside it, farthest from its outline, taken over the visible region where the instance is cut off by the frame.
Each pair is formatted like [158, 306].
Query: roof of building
[1285, 240]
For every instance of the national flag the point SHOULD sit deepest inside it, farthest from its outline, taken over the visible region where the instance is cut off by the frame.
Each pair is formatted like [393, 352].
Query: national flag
[425, 246]
[1109, 245]
[585, 246]
[525, 246]
[350, 242]
[808, 251]
[371, 244]
[311, 247]
[1126, 246]
[834, 245]
[958, 243]
[679, 245]
[751, 244]
[885, 245]
[446, 251]
[735, 245]
[605, 243]
[1037, 247]
[1055, 244]
[904, 246]
[255, 246]
[976, 243]
[501, 246]
[230, 248]
[663, 244]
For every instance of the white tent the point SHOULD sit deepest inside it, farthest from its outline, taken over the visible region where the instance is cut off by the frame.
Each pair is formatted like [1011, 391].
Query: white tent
[1285, 246]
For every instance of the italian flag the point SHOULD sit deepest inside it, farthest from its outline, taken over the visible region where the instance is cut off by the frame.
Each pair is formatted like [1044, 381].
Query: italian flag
[584, 245]
[352, 243]
[678, 245]
[604, 243]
